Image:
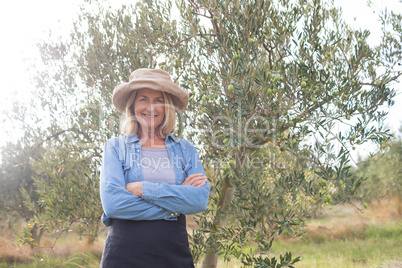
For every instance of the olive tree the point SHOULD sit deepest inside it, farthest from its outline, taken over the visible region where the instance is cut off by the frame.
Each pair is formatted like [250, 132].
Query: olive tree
[281, 92]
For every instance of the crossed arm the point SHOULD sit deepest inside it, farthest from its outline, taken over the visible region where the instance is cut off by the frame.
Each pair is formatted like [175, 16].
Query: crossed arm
[146, 200]
[196, 180]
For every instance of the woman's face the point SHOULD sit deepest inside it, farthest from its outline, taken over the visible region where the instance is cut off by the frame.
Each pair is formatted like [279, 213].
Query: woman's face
[149, 108]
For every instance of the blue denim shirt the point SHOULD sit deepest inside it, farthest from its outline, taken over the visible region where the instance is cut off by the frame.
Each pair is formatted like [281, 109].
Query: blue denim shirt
[121, 165]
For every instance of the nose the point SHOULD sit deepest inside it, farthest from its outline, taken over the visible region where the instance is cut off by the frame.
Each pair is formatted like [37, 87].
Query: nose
[150, 108]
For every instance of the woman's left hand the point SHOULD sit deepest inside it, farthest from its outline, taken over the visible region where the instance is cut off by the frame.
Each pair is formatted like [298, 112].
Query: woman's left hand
[135, 188]
[196, 180]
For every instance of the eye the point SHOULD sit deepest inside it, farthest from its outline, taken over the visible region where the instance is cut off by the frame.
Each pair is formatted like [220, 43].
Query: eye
[159, 100]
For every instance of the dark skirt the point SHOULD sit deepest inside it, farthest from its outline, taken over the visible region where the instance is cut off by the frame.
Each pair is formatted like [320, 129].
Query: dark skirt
[148, 244]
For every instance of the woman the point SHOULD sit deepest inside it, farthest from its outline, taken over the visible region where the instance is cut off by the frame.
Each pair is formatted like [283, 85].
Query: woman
[150, 179]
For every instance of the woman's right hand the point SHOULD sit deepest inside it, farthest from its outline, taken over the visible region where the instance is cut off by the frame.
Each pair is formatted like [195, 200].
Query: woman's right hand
[196, 180]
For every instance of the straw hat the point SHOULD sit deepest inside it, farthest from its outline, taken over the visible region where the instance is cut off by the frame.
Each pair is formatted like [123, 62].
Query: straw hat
[155, 79]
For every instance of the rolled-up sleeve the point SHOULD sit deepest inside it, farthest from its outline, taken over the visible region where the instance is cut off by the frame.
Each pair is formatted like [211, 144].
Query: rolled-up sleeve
[117, 201]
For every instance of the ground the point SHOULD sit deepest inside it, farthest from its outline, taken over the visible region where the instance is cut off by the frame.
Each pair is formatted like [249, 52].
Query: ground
[338, 236]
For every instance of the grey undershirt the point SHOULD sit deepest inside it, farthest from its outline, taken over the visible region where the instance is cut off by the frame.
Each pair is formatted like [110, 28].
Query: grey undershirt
[156, 166]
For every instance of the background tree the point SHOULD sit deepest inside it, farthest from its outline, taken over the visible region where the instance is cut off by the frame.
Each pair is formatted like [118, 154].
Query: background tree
[384, 173]
[17, 184]
[281, 92]
[15, 174]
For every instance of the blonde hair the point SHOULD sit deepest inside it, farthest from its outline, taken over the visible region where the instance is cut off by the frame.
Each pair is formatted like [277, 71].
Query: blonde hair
[130, 125]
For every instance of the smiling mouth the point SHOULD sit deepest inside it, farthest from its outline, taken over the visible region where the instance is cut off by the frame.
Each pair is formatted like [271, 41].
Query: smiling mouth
[148, 116]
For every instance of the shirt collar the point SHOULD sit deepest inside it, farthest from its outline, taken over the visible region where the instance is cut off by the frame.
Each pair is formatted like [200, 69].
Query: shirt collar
[134, 139]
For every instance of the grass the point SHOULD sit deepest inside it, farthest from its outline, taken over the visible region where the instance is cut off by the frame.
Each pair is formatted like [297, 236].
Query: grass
[79, 259]
[69, 251]
[343, 237]
[340, 237]
[378, 245]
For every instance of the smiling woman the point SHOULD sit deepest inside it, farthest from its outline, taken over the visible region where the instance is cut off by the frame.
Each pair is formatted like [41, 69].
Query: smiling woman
[149, 178]
[148, 108]
[149, 111]
[149, 92]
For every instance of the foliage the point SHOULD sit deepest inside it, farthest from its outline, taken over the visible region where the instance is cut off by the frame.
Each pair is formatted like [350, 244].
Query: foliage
[281, 92]
[15, 173]
[17, 185]
[384, 172]
[66, 182]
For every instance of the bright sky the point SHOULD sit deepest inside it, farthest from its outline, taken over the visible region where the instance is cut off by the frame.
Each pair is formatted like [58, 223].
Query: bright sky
[24, 22]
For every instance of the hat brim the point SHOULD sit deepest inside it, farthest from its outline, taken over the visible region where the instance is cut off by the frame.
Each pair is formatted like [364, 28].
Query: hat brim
[122, 92]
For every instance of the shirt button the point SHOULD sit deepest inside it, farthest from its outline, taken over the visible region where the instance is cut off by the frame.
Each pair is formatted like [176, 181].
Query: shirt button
[172, 214]
[178, 181]
[138, 164]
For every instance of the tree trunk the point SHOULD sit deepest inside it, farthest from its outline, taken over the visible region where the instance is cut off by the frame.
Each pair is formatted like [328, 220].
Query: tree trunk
[211, 259]
[225, 198]
[36, 234]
